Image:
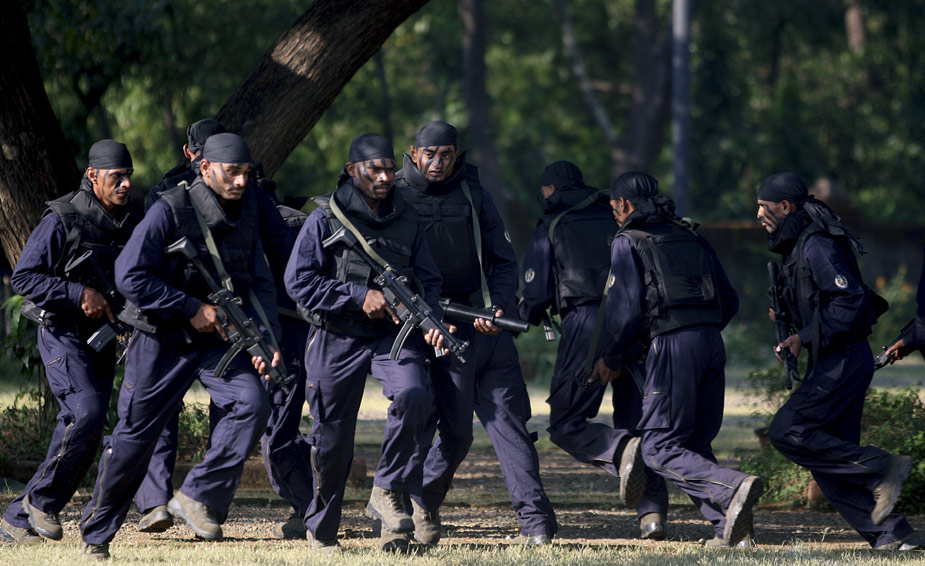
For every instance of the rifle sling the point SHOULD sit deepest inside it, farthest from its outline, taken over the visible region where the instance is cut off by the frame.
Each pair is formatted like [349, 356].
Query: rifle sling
[477, 235]
[226, 279]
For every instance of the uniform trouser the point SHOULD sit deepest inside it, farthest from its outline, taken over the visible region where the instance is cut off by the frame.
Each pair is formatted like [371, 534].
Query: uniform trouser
[337, 367]
[503, 406]
[819, 428]
[682, 411]
[454, 399]
[81, 381]
[572, 406]
[286, 453]
[159, 369]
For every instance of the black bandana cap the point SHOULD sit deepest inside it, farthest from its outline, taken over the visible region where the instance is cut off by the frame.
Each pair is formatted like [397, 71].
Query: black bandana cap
[563, 175]
[226, 148]
[634, 186]
[198, 132]
[783, 187]
[435, 134]
[370, 146]
[109, 154]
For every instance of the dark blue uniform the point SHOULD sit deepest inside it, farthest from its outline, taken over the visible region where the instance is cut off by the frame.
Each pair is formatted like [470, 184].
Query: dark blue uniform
[820, 424]
[285, 453]
[683, 391]
[493, 386]
[161, 366]
[79, 378]
[338, 365]
[572, 406]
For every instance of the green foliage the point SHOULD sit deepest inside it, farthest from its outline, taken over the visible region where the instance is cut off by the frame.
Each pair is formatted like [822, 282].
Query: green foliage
[194, 432]
[894, 422]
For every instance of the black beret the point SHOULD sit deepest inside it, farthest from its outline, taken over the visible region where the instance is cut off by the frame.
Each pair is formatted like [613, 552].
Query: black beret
[370, 146]
[435, 134]
[226, 148]
[109, 154]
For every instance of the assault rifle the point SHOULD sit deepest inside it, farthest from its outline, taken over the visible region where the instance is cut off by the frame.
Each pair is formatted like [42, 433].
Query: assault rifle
[906, 335]
[87, 270]
[241, 330]
[781, 327]
[466, 313]
[410, 307]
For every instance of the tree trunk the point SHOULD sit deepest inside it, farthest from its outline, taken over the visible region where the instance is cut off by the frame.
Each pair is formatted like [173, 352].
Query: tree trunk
[478, 110]
[299, 77]
[37, 164]
[641, 141]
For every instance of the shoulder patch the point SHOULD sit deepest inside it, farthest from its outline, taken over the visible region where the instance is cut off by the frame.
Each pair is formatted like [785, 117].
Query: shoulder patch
[529, 275]
[507, 237]
[841, 281]
[611, 280]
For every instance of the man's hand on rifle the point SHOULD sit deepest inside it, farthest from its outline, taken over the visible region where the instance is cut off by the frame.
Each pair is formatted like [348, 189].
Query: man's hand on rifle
[434, 338]
[94, 304]
[792, 343]
[375, 306]
[486, 327]
[206, 320]
[771, 316]
[897, 351]
[261, 366]
[603, 374]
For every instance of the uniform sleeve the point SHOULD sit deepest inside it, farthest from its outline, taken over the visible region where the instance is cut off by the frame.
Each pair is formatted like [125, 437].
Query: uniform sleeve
[918, 336]
[305, 278]
[623, 313]
[140, 268]
[842, 299]
[427, 272]
[498, 253]
[34, 275]
[539, 290]
[729, 299]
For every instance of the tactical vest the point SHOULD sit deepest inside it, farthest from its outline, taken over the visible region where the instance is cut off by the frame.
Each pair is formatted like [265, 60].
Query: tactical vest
[88, 226]
[679, 275]
[447, 221]
[235, 239]
[392, 240]
[580, 244]
[801, 294]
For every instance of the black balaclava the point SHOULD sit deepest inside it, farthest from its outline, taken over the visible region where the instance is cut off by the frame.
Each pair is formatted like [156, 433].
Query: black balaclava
[199, 132]
[435, 134]
[109, 154]
[226, 148]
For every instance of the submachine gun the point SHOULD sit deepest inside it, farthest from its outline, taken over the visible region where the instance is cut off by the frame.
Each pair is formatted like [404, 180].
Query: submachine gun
[465, 313]
[781, 327]
[241, 330]
[87, 270]
[411, 309]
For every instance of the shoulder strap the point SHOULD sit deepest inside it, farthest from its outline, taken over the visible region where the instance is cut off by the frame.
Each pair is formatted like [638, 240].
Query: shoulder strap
[587, 201]
[339, 214]
[223, 275]
[477, 235]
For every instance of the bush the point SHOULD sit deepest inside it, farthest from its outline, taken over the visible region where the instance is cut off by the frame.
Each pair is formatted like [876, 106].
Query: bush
[894, 422]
